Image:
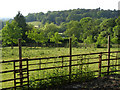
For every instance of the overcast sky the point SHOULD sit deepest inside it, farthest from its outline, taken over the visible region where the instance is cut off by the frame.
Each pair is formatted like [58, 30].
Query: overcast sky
[9, 8]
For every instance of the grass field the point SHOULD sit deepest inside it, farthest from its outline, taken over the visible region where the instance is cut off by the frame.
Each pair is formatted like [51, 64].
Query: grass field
[35, 23]
[31, 52]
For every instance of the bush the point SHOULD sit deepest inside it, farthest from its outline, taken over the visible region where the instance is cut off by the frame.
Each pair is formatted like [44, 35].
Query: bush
[98, 45]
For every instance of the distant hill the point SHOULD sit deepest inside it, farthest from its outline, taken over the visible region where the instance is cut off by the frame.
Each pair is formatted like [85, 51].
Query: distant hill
[5, 19]
[3, 22]
[58, 17]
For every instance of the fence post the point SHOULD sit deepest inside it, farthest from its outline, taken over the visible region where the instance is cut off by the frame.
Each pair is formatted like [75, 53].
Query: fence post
[27, 72]
[100, 61]
[62, 62]
[20, 62]
[40, 64]
[108, 54]
[14, 75]
[70, 47]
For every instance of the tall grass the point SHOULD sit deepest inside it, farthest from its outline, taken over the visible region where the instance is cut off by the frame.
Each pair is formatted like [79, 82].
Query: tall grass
[60, 77]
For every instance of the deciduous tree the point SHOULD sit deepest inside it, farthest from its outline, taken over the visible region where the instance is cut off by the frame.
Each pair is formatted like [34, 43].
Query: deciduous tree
[10, 33]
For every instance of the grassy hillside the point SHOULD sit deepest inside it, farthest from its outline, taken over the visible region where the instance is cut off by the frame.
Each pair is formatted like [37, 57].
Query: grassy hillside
[35, 23]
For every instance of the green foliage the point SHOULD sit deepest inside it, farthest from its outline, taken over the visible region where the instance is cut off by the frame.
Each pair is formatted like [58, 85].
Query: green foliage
[82, 76]
[37, 36]
[107, 23]
[116, 30]
[102, 38]
[85, 20]
[58, 20]
[89, 27]
[11, 32]
[50, 29]
[20, 19]
[115, 40]
[73, 27]
[58, 17]
[85, 25]
[74, 40]
[118, 21]
[59, 81]
[14, 30]
[50, 82]
[56, 38]
[89, 40]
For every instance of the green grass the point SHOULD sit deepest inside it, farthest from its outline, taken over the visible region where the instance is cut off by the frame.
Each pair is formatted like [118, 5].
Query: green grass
[31, 52]
[35, 23]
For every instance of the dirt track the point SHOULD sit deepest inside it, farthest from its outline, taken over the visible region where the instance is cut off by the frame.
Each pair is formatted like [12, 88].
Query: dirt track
[111, 82]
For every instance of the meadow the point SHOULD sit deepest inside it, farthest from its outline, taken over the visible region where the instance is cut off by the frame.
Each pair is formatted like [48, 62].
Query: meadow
[35, 23]
[32, 52]
[38, 52]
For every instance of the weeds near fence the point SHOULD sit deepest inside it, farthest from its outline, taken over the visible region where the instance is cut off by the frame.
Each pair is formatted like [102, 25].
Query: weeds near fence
[60, 77]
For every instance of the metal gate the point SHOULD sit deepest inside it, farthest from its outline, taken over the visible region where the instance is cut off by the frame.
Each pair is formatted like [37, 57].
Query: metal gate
[21, 74]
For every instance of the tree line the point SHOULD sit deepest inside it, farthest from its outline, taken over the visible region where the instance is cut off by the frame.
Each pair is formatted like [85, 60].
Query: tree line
[86, 30]
[57, 17]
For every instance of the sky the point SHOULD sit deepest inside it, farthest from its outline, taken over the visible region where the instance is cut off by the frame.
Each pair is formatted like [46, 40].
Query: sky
[9, 8]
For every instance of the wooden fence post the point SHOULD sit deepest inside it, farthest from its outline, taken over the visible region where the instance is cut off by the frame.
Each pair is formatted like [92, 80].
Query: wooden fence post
[40, 64]
[62, 62]
[70, 47]
[14, 75]
[100, 62]
[108, 55]
[20, 62]
[27, 72]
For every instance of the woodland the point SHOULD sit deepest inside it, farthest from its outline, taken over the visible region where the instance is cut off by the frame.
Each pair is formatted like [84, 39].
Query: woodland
[54, 28]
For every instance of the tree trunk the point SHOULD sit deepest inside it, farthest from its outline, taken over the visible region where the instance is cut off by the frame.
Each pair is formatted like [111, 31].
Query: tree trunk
[11, 46]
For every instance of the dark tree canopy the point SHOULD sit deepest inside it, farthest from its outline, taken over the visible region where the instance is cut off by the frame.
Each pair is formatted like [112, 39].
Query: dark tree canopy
[20, 19]
[58, 17]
